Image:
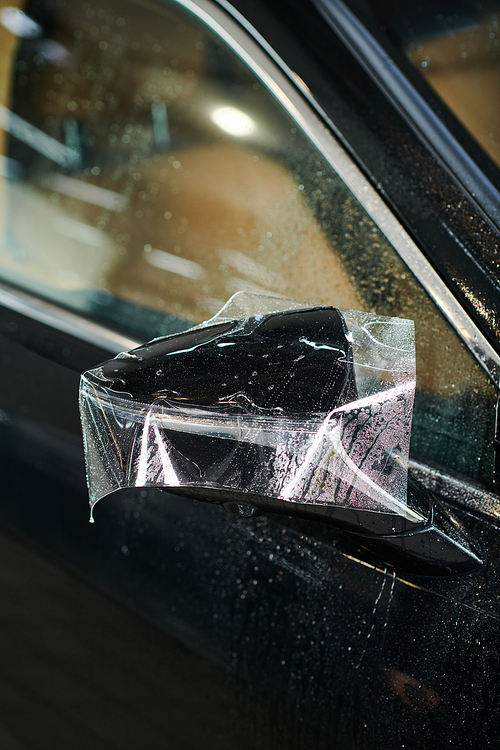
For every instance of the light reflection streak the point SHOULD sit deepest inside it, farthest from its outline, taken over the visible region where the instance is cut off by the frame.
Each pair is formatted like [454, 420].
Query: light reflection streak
[169, 475]
[143, 477]
[314, 345]
[54, 52]
[37, 139]
[19, 24]
[378, 398]
[211, 304]
[175, 264]
[245, 265]
[77, 230]
[161, 130]
[74, 188]
[142, 468]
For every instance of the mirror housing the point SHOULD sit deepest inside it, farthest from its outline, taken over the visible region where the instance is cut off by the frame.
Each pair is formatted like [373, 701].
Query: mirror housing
[298, 410]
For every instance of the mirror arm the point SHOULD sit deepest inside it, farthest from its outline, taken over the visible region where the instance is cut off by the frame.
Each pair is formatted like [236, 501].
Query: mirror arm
[432, 546]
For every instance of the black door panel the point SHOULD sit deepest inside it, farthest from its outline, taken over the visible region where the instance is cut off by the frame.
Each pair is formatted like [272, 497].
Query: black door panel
[320, 645]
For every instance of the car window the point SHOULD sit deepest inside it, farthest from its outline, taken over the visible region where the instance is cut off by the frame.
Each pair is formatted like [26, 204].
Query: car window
[148, 175]
[455, 46]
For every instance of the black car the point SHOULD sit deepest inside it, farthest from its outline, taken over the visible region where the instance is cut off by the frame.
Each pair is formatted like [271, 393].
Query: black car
[157, 158]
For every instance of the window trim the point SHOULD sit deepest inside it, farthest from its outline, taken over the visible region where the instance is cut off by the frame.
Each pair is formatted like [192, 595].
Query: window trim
[71, 323]
[412, 106]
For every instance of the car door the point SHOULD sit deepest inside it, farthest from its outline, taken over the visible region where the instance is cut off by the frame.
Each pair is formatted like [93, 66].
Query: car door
[156, 161]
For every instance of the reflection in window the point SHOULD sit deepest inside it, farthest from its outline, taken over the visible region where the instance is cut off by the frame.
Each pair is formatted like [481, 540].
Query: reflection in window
[148, 176]
[456, 48]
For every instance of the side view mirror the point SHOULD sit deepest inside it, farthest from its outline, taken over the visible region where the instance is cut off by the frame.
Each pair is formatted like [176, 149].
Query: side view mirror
[275, 407]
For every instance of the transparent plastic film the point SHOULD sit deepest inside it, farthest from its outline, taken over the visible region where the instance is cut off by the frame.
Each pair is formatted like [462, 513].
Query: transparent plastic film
[271, 398]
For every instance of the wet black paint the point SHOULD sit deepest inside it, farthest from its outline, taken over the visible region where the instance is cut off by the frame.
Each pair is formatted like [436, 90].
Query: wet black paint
[295, 363]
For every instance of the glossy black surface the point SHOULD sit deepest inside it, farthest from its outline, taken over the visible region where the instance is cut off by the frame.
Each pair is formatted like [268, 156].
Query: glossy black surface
[306, 640]
[295, 363]
[431, 547]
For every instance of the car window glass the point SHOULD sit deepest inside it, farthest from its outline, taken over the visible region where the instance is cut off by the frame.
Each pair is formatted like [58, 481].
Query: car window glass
[148, 176]
[455, 46]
